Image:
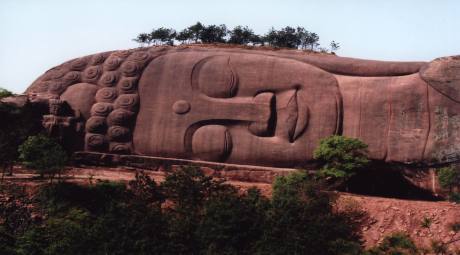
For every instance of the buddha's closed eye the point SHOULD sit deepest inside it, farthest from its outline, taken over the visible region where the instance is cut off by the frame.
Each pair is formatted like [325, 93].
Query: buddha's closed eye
[216, 78]
[211, 142]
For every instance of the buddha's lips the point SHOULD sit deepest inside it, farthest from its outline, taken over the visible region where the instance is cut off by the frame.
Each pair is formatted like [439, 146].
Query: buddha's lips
[297, 119]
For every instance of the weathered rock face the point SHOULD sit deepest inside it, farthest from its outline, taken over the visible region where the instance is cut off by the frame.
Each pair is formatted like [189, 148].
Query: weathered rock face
[253, 107]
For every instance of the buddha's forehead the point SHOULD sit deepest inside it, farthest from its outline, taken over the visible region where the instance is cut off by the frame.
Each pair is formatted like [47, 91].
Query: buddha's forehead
[226, 74]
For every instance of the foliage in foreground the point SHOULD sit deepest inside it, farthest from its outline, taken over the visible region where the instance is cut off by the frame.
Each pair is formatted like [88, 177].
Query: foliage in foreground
[16, 124]
[449, 178]
[188, 213]
[5, 93]
[397, 244]
[43, 154]
[341, 157]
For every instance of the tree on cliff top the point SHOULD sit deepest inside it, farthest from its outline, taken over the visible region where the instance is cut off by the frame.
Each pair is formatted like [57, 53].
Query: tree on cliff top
[5, 93]
[334, 46]
[184, 36]
[195, 31]
[142, 38]
[287, 37]
[214, 34]
[163, 36]
[242, 35]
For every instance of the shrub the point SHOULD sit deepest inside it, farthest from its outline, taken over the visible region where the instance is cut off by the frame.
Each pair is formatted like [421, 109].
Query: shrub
[397, 243]
[426, 223]
[455, 226]
[189, 213]
[16, 124]
[43, 154]
[187, 190]
[302, 221]
[454, 197]
[232, 223]
[5, 93]
[70, 230]
[448, 177]
[105, 218]
[341, 157]
[438, 247]
[15, 216]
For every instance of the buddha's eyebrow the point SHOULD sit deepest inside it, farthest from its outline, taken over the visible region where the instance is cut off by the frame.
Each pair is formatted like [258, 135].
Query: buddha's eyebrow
[196, 69]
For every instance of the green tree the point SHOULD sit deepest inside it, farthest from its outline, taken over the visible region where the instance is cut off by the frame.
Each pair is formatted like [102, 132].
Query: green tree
[196, 31]
[241, 35]
[44, 155]
[9, 137]
[5, 93]
[185, 36]
[341, 157]
[187, 189]
[334, 46]
[16, 124]
[271, 37]
[142, 38]
[163, 36]
[312, 40]
[302, 35]
[232, 223]
[106, 218]
[288, 38]
[301, 220]
[397, 243]
[213, 34]
[448, 177]
[307, 39]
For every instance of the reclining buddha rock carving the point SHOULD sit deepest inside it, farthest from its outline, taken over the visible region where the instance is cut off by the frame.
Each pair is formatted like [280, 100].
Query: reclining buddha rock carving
[258, 107]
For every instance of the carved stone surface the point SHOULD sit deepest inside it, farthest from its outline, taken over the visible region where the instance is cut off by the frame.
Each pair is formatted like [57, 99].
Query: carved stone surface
[258, 107]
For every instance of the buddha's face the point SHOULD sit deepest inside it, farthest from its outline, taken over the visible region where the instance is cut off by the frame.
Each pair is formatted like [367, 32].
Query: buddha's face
[236, 108]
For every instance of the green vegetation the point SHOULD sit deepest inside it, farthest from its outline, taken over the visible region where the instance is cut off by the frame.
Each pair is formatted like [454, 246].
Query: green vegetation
[397, 244]
[188, 213]
[426, 222]
[15, 125]
[454, 197]
[5, 93]
[334, 46]
[302, 221]
[438, 247]
[455, 226]
[43, 154]
[341, 157]
[449, 178]
[287, 37]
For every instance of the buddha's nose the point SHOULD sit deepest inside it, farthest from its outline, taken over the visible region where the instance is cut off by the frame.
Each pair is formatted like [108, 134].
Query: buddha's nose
[259, 111]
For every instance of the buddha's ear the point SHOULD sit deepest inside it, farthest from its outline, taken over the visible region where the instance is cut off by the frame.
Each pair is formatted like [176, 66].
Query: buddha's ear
[443, 74]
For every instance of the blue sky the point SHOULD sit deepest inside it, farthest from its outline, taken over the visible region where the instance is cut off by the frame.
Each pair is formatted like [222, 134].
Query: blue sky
[37, 35]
